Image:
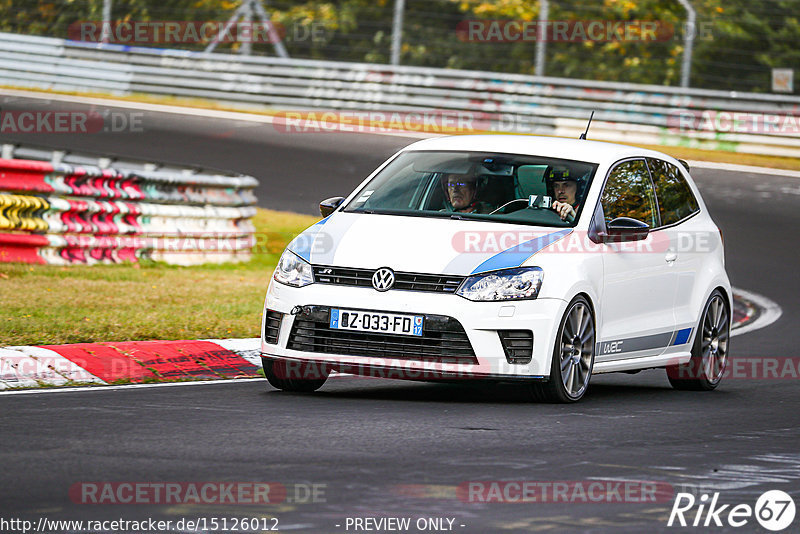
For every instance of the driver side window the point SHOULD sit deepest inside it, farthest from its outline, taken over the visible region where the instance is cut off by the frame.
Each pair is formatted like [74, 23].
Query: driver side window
[629, 193]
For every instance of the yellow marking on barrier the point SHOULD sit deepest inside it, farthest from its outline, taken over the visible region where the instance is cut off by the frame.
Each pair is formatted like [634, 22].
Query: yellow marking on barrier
[18, 212]
[5, 201]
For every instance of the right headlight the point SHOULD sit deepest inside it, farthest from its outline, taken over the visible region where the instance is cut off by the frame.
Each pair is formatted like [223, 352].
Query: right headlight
[521, 283]
[293, 270]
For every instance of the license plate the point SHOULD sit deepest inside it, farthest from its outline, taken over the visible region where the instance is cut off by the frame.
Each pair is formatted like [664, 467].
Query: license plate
[386, 323]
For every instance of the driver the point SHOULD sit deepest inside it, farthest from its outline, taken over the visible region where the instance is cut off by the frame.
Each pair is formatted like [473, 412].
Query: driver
[462, 192]
[565, 191]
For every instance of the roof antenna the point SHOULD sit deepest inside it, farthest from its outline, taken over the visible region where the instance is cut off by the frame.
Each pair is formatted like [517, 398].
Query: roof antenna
[583, 135]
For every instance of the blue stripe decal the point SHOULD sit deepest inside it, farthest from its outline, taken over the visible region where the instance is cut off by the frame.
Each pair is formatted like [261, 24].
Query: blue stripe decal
[516, 255]
[682, 337]
[302, 244]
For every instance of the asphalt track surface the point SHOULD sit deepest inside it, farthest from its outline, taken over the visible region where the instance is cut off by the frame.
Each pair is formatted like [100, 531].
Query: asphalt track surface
[399, 449]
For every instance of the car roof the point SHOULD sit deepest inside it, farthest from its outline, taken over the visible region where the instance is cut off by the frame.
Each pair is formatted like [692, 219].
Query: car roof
[533, 145]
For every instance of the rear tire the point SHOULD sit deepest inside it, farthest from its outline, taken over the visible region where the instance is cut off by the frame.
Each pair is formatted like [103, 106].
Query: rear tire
[709, 351]
[573, 357]
[294, 376]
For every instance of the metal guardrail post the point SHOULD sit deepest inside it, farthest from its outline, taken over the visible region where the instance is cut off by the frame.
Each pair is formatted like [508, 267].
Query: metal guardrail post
[397, 31]
[106, 31]
[541, 43]
[688, 42]
[247, 18]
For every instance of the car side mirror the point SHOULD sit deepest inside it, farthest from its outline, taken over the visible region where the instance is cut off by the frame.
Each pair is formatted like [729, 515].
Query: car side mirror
[625, 229]
[329, 205]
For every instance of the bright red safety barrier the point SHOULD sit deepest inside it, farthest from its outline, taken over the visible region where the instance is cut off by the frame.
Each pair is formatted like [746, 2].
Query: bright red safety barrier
[139, 361]
[22, 248]
[25, 175]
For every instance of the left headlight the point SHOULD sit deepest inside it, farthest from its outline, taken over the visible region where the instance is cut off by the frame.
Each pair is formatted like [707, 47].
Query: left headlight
[293, 270]
[509, 284]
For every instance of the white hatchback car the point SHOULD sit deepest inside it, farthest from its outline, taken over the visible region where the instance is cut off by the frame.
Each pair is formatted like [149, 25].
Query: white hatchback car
[505, 258]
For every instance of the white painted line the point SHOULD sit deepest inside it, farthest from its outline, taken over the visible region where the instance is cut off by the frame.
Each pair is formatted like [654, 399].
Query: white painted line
[128, 386]
[770, 312]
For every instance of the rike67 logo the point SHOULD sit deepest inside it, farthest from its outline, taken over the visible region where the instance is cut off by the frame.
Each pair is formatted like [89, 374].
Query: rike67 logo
[774, 510]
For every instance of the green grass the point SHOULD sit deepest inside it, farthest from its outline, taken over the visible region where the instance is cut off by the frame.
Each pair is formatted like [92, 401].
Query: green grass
[45, 304]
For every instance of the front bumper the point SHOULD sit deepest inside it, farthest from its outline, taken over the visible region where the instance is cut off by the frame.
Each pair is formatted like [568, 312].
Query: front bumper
[481, 322]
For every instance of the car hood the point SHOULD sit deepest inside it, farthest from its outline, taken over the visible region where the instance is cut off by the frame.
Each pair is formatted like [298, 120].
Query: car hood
[420, 244]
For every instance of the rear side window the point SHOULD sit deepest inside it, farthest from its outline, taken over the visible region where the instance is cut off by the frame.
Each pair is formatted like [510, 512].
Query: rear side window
[629, 193]
[675, 198]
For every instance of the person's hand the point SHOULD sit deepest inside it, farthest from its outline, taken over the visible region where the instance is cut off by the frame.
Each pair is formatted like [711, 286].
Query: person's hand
[564, 210]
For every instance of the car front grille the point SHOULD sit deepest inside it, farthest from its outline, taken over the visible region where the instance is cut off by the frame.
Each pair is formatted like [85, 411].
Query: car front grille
[437, 283]
[517, 344]
[443, 339]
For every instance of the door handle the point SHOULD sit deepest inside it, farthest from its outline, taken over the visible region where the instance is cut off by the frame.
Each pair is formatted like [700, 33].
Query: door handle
[671, 256]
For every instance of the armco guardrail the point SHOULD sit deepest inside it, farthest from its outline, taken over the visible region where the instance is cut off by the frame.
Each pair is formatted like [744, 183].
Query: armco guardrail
[766, 124]
[60, 210]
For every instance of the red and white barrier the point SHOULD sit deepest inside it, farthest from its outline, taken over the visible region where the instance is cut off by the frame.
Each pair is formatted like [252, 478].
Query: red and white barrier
[128, 362]
[65, 214]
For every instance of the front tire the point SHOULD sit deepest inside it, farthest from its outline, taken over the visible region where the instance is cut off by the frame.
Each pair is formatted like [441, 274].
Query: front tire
[710, 349]
[294, 376]
[573, 356]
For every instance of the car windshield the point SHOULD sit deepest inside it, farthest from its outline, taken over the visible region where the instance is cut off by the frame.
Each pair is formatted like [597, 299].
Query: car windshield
[477, 185]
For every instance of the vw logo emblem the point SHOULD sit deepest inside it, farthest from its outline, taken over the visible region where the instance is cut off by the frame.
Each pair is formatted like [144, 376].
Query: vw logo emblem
[383, 279]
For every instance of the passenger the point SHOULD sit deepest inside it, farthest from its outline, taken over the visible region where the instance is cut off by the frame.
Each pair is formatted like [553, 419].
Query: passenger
[462, 191]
